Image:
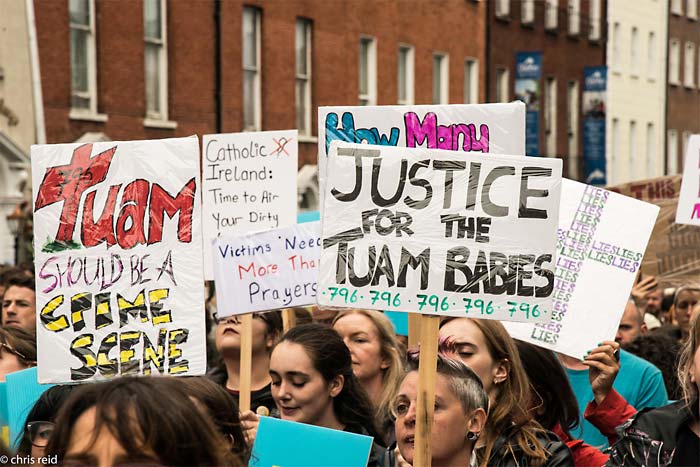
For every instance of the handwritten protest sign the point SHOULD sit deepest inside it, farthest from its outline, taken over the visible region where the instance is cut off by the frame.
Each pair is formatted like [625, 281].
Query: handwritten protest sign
[249, 183]
[118, 259]
[688, 211]
[433, 232]
[267, 270]
[673, 252]
[494, 128]
[602, 237]
[291, 444]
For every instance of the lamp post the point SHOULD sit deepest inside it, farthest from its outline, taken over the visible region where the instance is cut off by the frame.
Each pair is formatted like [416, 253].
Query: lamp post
[14, 222]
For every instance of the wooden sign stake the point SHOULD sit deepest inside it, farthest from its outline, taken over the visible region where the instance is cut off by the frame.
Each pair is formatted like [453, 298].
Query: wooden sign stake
[413, 330]
[289, 319]
[427, 373]
[246, 362]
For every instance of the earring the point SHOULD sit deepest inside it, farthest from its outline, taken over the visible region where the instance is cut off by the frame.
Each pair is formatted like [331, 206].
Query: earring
[472, 436]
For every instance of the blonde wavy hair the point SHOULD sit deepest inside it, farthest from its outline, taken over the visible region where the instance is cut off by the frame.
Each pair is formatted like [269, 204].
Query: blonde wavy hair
[685, 364]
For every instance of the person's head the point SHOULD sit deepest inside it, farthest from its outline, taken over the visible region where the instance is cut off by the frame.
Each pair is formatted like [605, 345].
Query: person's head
[553, 401]
[19, 302]
[631, 325]
[689, 369]
[486, 347]
[662, 350]
[267, 328]
[17, 350]
[324, 315]
[683, 302]
[39, 424]
[313, 381]
[218, 404]
[461, 405]
[654, 301]
[136, 420]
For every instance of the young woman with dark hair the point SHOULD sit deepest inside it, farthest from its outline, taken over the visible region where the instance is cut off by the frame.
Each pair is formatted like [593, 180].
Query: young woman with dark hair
[129, 420]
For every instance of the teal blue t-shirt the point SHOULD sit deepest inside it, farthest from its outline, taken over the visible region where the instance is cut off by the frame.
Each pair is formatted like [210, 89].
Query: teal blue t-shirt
[638, 381]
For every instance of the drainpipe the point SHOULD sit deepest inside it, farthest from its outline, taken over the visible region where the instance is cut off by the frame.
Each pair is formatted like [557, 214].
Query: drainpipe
[36, 75]
[217, 65]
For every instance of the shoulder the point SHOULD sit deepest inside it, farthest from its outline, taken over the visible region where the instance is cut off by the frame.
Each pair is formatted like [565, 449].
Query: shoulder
[660, 423]
[509, 452]
[633, 365]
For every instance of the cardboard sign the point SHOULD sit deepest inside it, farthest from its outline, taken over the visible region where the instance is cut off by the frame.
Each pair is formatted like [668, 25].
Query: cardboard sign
[688, 211]
[673, 252]
[267, 270]
[602, 237]
[434, 232]
[291, 444]
[249, 184]
[23, 391]
[495, 128]
[118, 245]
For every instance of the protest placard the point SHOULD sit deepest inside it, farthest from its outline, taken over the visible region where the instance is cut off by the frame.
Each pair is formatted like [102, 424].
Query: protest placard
[267, 270]
[494, 128]
[673, 252]
[249, 184]
[118, 245]
[434, 232]
[688, 211]
[602, 237]
[292, 444]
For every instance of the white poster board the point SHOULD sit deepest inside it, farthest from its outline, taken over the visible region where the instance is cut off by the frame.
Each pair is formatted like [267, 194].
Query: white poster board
[602, 238]
[118, 245]
[267, 270]
[435, 232]
[249, 183]
[485, 128]
[688, 211]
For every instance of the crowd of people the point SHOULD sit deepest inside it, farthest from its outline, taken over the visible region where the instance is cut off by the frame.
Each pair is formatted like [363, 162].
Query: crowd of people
[498, 401]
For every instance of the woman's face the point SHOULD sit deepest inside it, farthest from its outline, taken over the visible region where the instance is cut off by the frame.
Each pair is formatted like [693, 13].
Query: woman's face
[299, 390]
[450, 423]
[228, 335]
[473, 351]
[687, 299]
[104, 449]
[9, 363]
[362, 339]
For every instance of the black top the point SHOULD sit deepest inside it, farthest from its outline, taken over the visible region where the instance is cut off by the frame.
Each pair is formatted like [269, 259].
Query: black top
[261, 397]
[687, 449]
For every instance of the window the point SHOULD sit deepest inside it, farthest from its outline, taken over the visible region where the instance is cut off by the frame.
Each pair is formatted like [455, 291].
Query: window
[83, 56]
[651, 56]
[441, 69]
[674, 58]
[686, 138]
[676, 7]
[689, 65]
[572, 127]
[574, 17]
[551, 14]
[672, 152]
[632, 150]
[156, 59]
[651, 150]
[502, 8]
[615, 143]
[252, 114]
[691, 9]
[634, 52]
[594, 13]
[616, 45]
[527, 11]
[501, 84]
[368, 71]
[406, 72]
[471, 81]
[302, 43]
[550, 116]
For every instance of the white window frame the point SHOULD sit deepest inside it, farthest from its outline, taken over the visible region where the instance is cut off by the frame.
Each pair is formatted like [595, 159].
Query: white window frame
[550, 116]
[689, 65]
[471, 80]
[502, 8]
[672, 152]
[634, 52]
[632, 150]
[551, 14]
[257, 69]
[651, 150]
[527, 12]
[677, 7]
[444, 78]
[303, 79]
[408, 52]
[615, 146]
[369, 98]
[502, 84]
[572, 99]
[594, 25]
[159, 119]
[685, 138]
[651, 56]
[574, 17]
[616, 47]
[90, 113]
[674, 62]
[691, 8]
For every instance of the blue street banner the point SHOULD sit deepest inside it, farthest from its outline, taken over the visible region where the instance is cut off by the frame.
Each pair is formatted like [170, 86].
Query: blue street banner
[290, 444]
[528, 72]
[594, 90]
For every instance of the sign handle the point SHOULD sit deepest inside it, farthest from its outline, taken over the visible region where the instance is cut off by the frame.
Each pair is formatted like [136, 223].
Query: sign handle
[246, 362]
[427, 373]
[289, 319]
[414, 320]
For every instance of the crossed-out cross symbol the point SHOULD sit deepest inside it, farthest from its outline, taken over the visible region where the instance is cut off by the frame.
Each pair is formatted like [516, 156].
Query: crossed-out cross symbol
[280, 145]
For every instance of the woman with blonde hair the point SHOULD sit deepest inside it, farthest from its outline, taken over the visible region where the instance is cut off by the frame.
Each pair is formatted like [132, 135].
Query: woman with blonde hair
[376, 360]
[511, 436]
